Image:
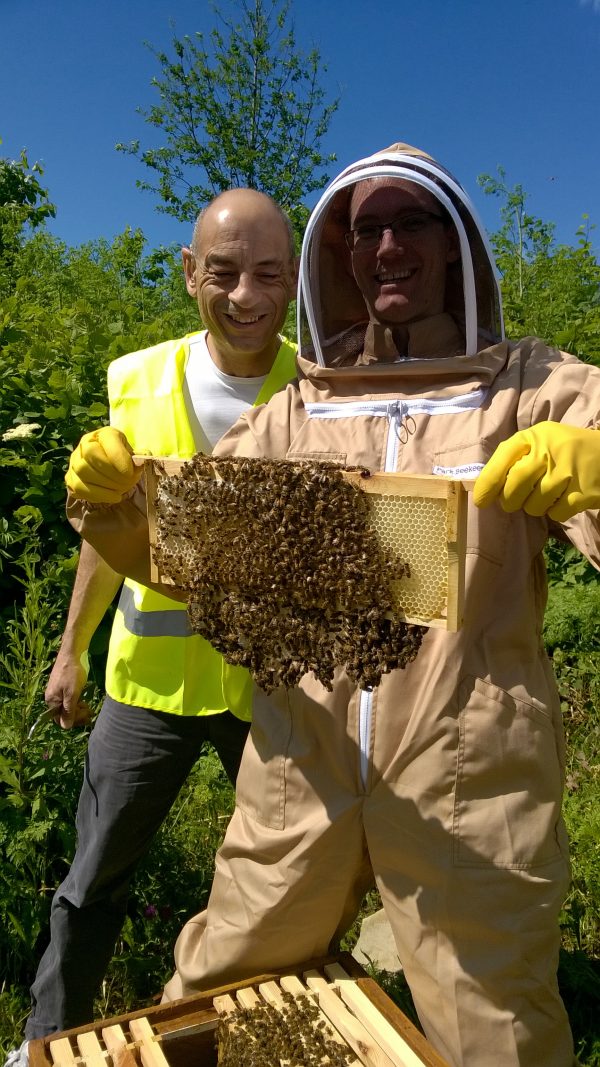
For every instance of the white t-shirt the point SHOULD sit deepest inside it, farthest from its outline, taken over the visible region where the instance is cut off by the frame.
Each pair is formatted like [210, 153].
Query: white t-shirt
[214, 400]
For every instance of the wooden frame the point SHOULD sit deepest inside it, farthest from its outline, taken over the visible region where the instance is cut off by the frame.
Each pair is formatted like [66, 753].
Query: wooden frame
[452, 495]
[441, 607]
[182, 1033]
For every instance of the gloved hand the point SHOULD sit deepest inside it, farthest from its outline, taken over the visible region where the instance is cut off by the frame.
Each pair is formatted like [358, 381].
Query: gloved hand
[550, 469]
[101, 469]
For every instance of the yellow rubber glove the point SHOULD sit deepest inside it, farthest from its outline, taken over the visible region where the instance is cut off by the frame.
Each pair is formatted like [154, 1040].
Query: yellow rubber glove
[101, 469]
[550, 469]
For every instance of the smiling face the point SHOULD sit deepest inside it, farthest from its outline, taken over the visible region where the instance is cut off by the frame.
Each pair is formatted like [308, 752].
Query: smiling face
[402, 278]
[241, 272]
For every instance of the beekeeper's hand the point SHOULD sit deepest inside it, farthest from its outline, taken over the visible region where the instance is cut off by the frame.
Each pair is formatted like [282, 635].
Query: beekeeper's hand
[550, 469]
[101, 469]
[65, 685]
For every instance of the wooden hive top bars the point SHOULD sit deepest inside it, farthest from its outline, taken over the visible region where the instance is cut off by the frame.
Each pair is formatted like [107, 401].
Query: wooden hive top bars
[339, 1017]
[332, 1022]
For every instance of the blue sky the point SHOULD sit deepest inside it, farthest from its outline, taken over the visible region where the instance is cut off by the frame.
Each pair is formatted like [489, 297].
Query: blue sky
[477, 84]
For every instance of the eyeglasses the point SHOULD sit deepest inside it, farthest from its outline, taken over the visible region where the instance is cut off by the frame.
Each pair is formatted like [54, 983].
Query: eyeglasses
[365, 237]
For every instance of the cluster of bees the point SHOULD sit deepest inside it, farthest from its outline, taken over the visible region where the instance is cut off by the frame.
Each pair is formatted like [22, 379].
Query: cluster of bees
[283, 572]
[264, 1036]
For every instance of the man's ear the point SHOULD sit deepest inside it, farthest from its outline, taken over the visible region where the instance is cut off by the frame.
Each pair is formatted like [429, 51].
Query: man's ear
[188, 260]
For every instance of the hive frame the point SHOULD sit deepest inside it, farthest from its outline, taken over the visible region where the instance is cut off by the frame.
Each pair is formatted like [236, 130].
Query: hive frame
[446, 500]
[433, 500]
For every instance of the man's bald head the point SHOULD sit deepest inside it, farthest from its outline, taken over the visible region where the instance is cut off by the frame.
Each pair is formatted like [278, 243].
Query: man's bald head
[246, 202]
[241, 270]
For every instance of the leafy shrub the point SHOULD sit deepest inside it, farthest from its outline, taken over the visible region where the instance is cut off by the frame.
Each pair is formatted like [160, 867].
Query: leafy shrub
[572, 618]
[68, 314]
[39, 773]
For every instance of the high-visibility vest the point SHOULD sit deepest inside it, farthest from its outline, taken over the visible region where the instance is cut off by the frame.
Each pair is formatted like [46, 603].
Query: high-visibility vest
[154, 659]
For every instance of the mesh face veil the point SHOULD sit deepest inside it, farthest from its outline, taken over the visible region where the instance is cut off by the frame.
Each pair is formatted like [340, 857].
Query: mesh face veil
[332, 312]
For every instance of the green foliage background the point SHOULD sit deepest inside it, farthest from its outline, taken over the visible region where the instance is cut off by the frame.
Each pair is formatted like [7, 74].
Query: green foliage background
[64, 314]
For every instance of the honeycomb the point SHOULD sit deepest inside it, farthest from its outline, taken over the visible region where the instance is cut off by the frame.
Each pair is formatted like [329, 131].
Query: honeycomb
[415, 528]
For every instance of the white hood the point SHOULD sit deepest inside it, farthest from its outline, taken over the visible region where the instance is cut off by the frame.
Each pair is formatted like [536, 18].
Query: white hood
[329, 301]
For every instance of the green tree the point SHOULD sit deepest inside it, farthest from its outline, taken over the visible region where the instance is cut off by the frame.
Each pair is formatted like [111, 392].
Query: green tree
[24, 205]
[549, 290]
[244, 108]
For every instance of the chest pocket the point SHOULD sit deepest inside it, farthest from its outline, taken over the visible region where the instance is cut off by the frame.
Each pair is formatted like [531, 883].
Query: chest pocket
[353, 441]
[488, 528]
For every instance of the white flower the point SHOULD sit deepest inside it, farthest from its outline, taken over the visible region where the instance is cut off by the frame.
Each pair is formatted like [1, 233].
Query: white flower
[26, 429]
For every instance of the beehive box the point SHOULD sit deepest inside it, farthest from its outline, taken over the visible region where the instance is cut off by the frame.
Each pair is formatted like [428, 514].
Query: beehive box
[420, 519]
[363, 1022]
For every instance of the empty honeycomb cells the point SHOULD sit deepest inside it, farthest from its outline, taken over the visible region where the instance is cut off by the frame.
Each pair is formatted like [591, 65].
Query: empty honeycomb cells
[415, 529]
[284, 571]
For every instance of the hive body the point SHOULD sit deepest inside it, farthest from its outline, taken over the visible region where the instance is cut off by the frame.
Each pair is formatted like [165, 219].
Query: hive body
[338, 1017]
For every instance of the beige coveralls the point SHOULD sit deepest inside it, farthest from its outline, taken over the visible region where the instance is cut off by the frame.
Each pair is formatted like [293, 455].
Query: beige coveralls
[448, 777]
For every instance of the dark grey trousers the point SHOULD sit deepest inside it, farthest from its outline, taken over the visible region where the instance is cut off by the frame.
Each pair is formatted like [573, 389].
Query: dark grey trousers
[136, 762]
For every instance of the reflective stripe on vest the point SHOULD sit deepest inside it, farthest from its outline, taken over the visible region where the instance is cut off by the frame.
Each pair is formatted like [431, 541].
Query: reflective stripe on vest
[152, 623]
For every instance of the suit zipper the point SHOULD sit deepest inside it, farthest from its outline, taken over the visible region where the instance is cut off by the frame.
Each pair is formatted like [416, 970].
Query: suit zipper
[396, 412]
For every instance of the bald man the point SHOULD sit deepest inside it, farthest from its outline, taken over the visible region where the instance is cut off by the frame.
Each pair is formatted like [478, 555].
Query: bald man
[168, 691]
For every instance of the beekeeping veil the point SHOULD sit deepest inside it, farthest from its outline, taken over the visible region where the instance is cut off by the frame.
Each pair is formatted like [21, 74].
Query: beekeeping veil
[332, 314]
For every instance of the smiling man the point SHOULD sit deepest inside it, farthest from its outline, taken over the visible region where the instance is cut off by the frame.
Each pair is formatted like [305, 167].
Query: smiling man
[400, 265]
[168, 691]
[241, 275]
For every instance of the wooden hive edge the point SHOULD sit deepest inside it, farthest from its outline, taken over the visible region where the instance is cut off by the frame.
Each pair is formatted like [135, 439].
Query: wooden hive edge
[400, 1022]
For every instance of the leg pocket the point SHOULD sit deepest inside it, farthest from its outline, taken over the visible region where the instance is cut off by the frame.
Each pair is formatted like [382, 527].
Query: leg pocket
[260, 786]
[509, 782]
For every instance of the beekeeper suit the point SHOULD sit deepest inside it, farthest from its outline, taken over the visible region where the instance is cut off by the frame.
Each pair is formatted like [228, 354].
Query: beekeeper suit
[447, 778]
